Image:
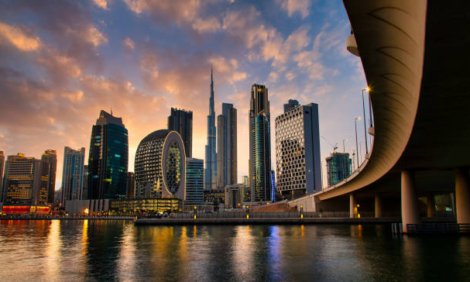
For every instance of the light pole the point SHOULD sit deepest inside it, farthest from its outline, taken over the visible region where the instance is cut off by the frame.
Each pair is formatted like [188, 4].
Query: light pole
[357, 147]
[364, 114]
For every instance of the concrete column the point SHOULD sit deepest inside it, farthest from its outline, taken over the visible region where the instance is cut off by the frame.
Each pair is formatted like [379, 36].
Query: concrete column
[377, 206]
[352, 206]
[409, 201]
[430, 205]
[462, 196]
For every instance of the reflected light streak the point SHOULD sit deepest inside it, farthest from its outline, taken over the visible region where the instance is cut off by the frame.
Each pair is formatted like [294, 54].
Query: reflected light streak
[126, 261]
[54, 245]
[243, 252]
[85, 237]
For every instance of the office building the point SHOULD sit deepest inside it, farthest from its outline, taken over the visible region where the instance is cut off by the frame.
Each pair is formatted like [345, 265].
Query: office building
[45, 194]
[22, 180]
[194, 181]
[182, 122]
[298, 151]
[85, 183]
[160, 165]
[2, 165]
[260, 145]
[291, 104]
[73, 174]
[227, 146]
[130, 188]
[338, 166]
[210, 175]
[108, 159]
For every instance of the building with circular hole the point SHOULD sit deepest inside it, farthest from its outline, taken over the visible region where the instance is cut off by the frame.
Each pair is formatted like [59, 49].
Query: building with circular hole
[160, 166]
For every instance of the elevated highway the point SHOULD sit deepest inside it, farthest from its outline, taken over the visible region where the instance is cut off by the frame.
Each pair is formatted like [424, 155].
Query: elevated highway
[416, 57]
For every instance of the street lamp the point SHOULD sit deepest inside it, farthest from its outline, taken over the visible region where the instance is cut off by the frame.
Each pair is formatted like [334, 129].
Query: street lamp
[357, 147]
[364, 114]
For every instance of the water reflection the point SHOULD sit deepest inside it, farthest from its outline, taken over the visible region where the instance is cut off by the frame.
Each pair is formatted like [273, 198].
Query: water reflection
[106, 250]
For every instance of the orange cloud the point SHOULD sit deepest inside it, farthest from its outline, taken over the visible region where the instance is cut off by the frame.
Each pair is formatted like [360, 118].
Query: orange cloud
[19, 38]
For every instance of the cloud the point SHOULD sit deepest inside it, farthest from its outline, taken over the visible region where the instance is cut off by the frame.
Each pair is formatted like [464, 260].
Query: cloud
[103, 4]
[211, 24]
[128, 43]
[19, 37]
[166, 10]
[295, 6]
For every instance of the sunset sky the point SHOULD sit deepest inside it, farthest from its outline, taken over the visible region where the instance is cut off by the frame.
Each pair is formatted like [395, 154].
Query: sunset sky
[61, 62]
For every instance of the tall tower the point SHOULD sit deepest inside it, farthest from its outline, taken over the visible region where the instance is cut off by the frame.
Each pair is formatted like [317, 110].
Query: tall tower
[182, 122]
[210, 180]
[227, 146]
[73, 174]
[108, 159]
[2, 165]
[260, 145]
[48, 170]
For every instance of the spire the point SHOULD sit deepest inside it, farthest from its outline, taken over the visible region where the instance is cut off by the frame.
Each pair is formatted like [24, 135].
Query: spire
[211, 101]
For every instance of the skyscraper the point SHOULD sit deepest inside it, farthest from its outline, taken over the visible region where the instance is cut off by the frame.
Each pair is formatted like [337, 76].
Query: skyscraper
[291, 104]
[22, 180]
[298, 151]
[194, 181]
[210, 180]
[182, 122]
[260, 145]
[338, 167]
[108, 159]
[45, 194]
[73, 174]
[227, 146]
[130, 189]
[160, 166]
[2, 165]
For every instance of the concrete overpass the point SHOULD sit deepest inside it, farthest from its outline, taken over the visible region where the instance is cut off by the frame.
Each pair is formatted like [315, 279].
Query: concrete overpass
[416, 58]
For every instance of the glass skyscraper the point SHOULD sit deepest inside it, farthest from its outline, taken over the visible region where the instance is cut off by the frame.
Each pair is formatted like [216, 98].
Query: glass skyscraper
[73, 174]
[298, 150]
[194, 181]
[210, 179]
[182, 122]
[22, 180]
[260, 145]
[108, 159]
[227, 146]
[338, 167]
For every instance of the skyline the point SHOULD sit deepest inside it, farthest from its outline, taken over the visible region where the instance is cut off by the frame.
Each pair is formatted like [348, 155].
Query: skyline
[63, 64]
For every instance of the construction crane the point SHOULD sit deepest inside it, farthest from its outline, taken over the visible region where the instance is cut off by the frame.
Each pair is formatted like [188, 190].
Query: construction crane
[335, 147]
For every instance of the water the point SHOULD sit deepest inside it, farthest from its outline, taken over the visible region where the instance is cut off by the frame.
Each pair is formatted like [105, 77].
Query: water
[118, 250]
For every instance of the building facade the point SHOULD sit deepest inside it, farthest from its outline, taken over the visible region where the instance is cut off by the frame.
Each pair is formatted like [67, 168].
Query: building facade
[160, 166]
[291, 104]
[260, 145]
[227, 146]
[73, 174]
[108, 159]
[298, 151]
[210, 175]
[2, 166]
[22, 180]
[194, 181]
[338, 167]
[45, 194]
[130, 188]
[182, 122]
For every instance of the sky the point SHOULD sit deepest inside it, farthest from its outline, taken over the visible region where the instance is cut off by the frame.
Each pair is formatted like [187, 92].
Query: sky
[61, 62]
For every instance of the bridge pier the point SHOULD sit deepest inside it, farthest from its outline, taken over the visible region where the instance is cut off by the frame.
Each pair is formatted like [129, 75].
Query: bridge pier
[377, 206]
[352, 206]
[462, 196]
[430, 206]
[409, 201]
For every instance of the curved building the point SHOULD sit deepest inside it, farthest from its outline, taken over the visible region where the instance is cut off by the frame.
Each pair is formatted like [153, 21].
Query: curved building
[160, 166]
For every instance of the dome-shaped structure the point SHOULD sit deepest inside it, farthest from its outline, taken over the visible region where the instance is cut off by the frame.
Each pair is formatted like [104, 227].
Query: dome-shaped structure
[160, 166]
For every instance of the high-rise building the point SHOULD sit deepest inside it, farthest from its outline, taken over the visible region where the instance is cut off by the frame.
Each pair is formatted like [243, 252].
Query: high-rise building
[260, 145]
[160, 165]
[85, 183]
[2, 165]
[298, 151]
[22, 180]
[182, 122]
[338, 167]
[227, 146]
[291, 104]
[210, 179]
[130, 189]
[194, 181]
[73, 174]
[45, 194]
[108, 159]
